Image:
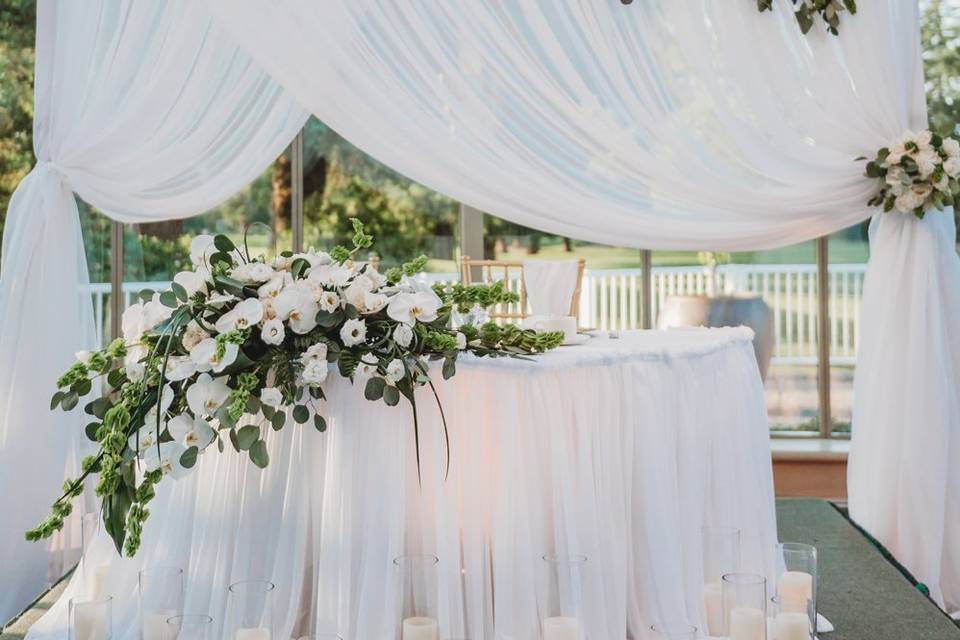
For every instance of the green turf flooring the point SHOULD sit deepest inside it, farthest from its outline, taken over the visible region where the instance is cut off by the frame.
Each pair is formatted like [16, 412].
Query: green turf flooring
[861, 593]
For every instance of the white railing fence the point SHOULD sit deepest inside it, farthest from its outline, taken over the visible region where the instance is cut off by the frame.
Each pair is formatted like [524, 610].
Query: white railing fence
[611, 300]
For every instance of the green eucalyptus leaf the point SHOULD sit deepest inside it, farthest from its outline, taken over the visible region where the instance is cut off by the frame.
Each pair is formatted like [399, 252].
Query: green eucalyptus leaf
[69, 401]
[391, 395]
[223, 243]
[233, 440]
[449, 368]
[278, 420]
[301, 414]
[320, 423]
[57, 399]
[91, 431]
[189, 457]
[179, 291]
[374, 389]
[146, 294]
[259, 455]
[169, 299]
[247, 435]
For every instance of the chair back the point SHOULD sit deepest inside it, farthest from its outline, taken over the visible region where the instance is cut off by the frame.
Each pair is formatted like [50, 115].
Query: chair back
[511, 272]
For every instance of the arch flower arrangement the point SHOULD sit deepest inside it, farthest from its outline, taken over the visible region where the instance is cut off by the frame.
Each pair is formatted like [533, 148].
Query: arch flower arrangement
[240, 345]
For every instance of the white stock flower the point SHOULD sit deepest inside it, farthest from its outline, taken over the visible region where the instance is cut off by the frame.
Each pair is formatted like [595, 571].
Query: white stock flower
[201, 248]
[353, 332]
[461, 341]
[951, 147]
[316, 351]
[244, 315]
[252, 272]
[204, 355]
[329, 301]
[190, 431]
[272, 287]
[314, 372]
[192, 282]
[206, 395]
[403, 335]
[409, 308]
[395, 371]
[272, 332]
[271, 397]
[374, 302]
[166, 458]
[193, 334]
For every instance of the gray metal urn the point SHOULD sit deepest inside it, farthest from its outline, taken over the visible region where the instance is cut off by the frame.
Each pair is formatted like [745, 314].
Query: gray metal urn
[724, 311]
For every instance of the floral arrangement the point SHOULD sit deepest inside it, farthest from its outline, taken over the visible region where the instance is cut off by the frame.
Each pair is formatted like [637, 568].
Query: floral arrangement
[806, 10]
[238, 346]
[917, 173]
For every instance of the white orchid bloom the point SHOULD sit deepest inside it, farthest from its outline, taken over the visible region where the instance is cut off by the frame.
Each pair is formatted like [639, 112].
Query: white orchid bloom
[206, 395]
[376, 278]
[192, 282]
[353, 332]
[201, 248]
[409, 308]
[144, 438]
[312, 288]
[193, 335]
[374, 302]
[180, 368]
[166, 458]
[220, 299]
[190, 431]
[204, 355]
[273, 332]
[330, 275]
[357, 291]
[461, 341]
[298, 308]
[135, 370]
[246, 314]
[271, 397]
[272, 287]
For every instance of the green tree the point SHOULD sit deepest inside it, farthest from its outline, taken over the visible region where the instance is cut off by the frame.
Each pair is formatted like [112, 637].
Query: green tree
[17, 24]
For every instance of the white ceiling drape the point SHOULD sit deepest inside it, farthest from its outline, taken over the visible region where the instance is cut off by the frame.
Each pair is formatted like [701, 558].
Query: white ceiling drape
[147, 111]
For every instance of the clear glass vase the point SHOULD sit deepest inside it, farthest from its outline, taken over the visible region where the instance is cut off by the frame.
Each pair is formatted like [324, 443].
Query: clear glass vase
[674, 632]
[416, 577]
[745, 606]
[250, 610]
[560, 597]
[91, 618]
[189, 627]
[721, 555]
[797, 583]
[161, 598]
[789, 624]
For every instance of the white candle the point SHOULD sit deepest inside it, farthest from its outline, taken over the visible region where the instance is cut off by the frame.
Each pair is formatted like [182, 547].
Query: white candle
[561, 628]
[747, 623]
[89, 624]
[252, 634]
[420, 628]
[791, 626]
[795, 588]
[713, 602]
[99, 581]
[155, 625]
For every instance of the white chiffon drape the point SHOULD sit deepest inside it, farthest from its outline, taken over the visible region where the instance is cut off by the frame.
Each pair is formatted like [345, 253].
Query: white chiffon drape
[146, 111]
[618, 450]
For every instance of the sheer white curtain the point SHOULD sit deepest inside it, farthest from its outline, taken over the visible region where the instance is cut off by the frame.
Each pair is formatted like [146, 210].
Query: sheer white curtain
[664, 124]
[147, 111]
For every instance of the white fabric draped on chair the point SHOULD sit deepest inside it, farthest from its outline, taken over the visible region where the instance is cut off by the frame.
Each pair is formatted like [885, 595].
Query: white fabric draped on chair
[660, 124]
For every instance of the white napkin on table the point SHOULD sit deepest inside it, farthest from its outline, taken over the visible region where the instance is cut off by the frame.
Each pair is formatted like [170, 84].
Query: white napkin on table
[550, 285]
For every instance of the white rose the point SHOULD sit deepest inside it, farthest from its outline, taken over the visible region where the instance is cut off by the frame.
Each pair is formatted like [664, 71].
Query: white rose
[951, 147]
[314, 372]
[192, 282]
[271, 397]
[461, 341]
[252, 272]
[923, 140]
[403, 335]
[367, 368]
[897, 151]
[316, 351]
[193, 335]
[246, 314]
[353, 332]
[927, 160]
[952, 167]
[395, 371]
[329, 301]
[272, 332]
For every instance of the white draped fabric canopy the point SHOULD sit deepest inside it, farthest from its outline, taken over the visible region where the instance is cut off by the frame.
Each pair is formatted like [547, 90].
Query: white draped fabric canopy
[662, 124]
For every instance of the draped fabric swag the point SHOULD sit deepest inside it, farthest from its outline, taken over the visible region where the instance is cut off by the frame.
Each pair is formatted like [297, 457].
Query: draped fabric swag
[693, 125]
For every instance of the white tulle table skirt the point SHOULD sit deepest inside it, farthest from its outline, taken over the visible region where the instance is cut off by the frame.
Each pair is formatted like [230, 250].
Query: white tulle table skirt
[617, 450]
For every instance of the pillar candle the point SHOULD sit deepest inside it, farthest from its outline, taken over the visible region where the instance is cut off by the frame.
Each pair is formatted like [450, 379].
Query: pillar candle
[420, 628]
[795, 588]
[713, 602]
[99, 587]
[561, 628]
[747, 623]
[252, 634]
[89, 624]
[155, 625]
[791, 626]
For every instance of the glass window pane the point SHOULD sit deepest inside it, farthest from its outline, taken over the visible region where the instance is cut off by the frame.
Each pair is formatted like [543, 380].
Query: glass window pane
[786, 280]
[405, 218]
[96, 229]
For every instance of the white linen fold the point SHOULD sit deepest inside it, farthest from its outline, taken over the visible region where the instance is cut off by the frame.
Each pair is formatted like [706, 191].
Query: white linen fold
[550, 285]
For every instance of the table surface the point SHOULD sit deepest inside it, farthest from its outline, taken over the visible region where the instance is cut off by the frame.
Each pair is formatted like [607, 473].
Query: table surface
[861, 593]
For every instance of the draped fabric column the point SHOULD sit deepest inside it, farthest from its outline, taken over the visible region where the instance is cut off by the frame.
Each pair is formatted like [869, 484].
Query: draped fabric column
[146, 111]
[663, 125]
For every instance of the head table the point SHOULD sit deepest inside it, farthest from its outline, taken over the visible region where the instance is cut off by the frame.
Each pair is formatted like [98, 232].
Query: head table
[618, 451]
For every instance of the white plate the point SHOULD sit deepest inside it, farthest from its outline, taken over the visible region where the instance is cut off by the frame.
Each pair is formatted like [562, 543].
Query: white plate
[577, 339]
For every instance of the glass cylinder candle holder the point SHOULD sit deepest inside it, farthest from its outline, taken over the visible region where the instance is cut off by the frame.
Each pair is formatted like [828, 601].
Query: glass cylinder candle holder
[91, 618]
[789, 624]
[560, 597]
[190, 626]
[673, 632]
[161, 598]
[416, 580]
[744, 606]
[721, 555]
[797, 584]
[249, 610]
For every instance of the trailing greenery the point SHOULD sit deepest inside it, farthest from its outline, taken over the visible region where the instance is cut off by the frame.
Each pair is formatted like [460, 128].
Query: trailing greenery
[463, 297]
[807, 11]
